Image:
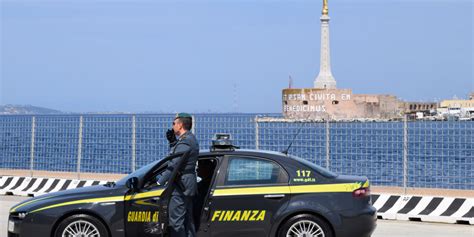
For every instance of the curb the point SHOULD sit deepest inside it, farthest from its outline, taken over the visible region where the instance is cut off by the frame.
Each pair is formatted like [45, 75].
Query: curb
[424, 208]
[389, 206]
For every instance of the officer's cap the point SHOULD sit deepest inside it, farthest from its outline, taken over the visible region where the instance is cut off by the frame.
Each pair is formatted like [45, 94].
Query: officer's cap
[183, 115]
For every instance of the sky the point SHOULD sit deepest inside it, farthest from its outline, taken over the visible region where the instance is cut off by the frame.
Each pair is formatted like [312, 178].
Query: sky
[205, 56]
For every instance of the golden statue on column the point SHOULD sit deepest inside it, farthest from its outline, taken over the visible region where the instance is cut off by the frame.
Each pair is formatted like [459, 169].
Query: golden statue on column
[325, 7]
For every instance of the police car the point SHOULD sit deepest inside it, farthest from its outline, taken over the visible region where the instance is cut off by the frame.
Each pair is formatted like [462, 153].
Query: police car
[241, 193]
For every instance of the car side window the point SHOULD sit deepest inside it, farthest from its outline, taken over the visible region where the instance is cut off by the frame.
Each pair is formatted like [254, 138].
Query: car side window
[250, 171]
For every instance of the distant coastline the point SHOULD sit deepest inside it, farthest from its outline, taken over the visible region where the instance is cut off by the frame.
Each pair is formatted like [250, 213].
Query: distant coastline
[26, 109]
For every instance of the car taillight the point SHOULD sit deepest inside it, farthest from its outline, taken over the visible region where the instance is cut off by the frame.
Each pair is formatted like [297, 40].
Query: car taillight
[361, 192]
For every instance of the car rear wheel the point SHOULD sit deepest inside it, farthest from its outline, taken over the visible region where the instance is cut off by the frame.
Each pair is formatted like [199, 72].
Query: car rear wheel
[305, 225]
[81, 225]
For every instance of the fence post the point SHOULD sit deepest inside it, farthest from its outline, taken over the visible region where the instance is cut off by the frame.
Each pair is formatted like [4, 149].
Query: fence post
[134, 143]
[327, 144]
[193, 128]
[32, 147]
[405, 154]
[256, 133]
[79, 147]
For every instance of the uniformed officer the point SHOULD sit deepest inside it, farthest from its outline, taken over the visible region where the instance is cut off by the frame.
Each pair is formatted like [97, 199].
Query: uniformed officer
[181, 204]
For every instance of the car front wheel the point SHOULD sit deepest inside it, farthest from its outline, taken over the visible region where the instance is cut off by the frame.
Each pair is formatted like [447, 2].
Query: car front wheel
[305, 225]
[81, 225]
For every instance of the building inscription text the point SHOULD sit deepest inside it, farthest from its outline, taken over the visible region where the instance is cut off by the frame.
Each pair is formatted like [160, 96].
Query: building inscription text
[316, 96]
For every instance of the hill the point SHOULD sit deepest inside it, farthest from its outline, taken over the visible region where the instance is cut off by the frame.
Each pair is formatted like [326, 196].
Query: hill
[26, 109]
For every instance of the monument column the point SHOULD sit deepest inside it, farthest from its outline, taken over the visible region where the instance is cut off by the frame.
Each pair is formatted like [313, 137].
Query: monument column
[325, 80]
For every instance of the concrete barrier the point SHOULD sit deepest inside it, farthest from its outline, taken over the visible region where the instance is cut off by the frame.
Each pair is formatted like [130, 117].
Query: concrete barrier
[27, 186]
[424, 208]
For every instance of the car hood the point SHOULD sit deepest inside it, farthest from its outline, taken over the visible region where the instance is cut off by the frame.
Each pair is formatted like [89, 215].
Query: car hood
[93, 194]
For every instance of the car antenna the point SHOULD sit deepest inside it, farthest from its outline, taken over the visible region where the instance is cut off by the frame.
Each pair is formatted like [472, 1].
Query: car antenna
[291, 143]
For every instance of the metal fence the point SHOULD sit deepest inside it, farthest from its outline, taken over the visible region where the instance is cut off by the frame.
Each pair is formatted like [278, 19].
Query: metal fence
[397, 154]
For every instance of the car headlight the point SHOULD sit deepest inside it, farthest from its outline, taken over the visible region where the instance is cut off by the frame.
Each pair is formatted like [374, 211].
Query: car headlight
[20, 215]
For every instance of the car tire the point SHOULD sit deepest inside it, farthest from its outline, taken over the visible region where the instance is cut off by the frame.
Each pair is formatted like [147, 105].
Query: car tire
[81, 224]
[307, 224]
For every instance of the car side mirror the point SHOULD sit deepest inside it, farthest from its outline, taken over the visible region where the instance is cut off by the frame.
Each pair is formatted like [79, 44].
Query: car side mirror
[132, 184]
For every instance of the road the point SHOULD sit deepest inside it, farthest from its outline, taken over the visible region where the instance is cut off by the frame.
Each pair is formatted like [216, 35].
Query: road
[385, 228]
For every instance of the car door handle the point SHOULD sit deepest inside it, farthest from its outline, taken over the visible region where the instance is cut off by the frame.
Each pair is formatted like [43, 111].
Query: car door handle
[274, 196]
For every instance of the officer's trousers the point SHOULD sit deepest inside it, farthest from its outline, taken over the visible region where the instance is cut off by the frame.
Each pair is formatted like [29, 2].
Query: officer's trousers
[181, 221]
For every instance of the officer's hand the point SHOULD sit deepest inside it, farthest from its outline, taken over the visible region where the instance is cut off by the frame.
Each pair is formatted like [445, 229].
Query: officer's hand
[170, 136]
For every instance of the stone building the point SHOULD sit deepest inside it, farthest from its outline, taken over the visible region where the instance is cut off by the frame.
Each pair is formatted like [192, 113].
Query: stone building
[462, 108]
[415, 107]
[338, 104]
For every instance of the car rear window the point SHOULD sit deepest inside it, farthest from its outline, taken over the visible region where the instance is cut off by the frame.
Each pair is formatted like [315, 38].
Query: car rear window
[323, 171]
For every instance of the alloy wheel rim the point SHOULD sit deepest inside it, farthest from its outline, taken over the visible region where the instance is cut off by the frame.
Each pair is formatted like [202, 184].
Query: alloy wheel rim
[305, 228]
[81, 228]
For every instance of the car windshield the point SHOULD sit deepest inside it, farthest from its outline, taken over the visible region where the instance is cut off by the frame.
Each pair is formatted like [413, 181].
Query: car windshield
[138, 173]
[323, 171]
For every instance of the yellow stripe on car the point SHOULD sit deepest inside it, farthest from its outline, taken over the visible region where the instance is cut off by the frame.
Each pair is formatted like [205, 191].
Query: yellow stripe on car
[154, 193]
[91, 200]
[26, 203]
[292, 189]
[252, 191]
[325, 188]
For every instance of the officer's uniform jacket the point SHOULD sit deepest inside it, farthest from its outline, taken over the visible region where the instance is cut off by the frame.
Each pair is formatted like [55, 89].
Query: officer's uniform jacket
[186, 141]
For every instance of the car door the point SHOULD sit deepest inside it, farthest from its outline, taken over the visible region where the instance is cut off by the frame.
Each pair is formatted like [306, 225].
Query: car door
[146, 208]
[247, 195]
[207, 170]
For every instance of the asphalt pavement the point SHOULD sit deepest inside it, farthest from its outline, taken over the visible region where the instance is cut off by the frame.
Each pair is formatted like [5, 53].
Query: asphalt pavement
[385, 228]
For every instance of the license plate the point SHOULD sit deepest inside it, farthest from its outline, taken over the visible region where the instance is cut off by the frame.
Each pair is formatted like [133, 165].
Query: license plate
[11, 226]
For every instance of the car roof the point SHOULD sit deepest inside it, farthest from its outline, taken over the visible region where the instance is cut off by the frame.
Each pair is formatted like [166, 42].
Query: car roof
[249, 152]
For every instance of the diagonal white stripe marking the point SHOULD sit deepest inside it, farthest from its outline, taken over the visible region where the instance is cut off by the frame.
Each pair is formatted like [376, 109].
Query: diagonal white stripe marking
[420, 206]
[381, 201]
[465, 207]
[59, 186]
[442, 207]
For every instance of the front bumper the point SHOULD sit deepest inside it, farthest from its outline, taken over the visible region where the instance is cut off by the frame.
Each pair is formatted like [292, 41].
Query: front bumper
[14, 226]
[31, 226]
